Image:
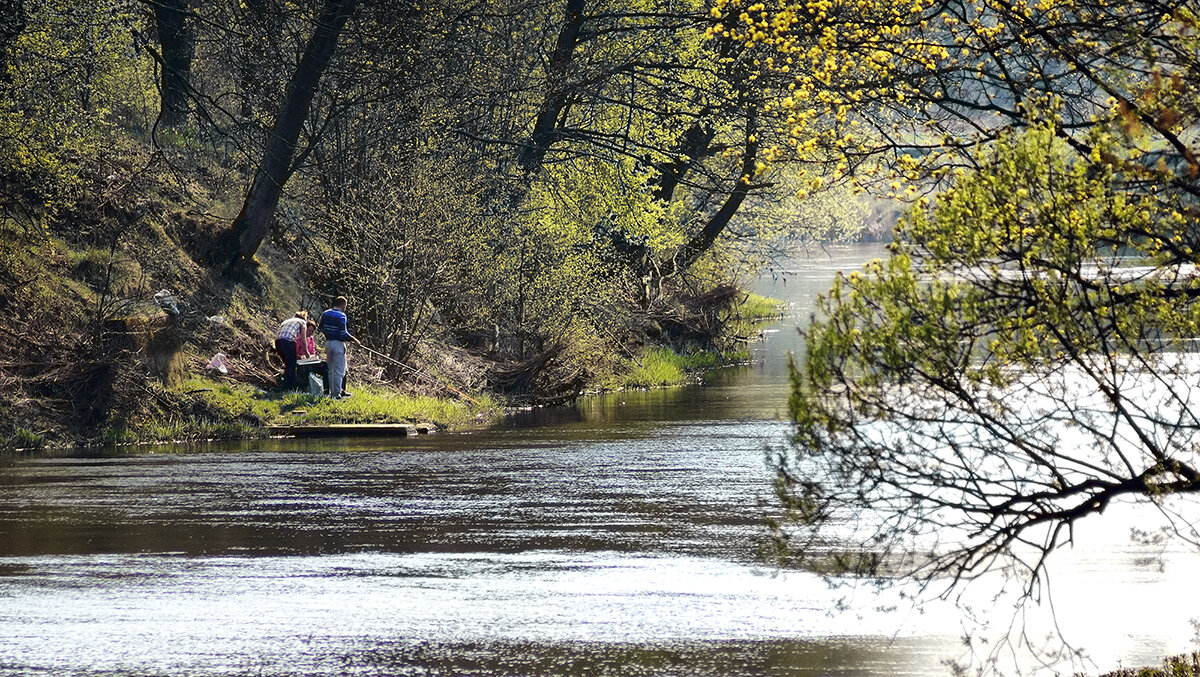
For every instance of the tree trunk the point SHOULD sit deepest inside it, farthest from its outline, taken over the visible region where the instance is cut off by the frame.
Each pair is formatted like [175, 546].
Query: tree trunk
[703, 240]
[178, 44]
[694, 146]
[13, 20]
[543, 136]
[251, 225]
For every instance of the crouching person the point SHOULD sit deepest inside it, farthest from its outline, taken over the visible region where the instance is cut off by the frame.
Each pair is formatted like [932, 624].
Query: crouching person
[290, 331]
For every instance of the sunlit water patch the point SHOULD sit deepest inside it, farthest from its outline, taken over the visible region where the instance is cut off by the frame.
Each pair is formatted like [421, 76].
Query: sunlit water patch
[133, 614]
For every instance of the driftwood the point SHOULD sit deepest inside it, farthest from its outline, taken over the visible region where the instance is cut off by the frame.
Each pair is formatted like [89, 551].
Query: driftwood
[540, 378]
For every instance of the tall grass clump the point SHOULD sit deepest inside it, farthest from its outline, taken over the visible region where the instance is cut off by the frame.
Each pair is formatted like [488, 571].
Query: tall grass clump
[656, 367]
[22, 438]
[757, 308]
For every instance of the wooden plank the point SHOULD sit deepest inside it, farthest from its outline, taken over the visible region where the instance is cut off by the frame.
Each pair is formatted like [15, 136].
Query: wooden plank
[347, 430]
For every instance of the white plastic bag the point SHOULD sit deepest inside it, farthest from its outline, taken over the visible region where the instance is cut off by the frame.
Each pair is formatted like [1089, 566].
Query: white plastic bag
[166, 301]
[219, 362]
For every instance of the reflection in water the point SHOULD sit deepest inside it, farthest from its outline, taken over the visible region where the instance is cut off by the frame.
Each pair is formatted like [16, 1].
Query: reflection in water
[616, 537]
[676, 487]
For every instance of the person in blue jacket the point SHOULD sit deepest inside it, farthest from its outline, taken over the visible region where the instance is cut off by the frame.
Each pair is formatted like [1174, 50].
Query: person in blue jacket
[334, 325]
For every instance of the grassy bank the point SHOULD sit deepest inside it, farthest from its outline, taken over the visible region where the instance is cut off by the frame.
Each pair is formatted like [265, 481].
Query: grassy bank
[23, 439]
[656, 366]
[207, 409]
[757, 308]
[201, 408]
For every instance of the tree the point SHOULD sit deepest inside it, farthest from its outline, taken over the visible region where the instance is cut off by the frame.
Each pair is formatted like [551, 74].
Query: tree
[401, 246]
[557, 89]
[914, 98]
[1019, 362]
[642, 81]
[70, 71]
[276, 168]
[13, 20]
[1024, 357]
[177, 41]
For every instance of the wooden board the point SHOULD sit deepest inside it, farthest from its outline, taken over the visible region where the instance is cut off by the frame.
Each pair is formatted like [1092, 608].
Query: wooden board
[351, 430]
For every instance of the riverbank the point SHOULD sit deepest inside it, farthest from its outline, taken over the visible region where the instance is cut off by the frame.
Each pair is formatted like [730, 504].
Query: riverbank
[208, 408]
[116, 300]
[158, 386]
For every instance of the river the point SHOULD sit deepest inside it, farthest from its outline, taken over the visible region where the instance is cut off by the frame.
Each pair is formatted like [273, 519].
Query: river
[616, 537]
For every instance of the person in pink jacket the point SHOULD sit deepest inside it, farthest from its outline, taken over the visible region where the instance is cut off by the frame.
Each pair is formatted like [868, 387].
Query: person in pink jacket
[306, 341]
[306, 351]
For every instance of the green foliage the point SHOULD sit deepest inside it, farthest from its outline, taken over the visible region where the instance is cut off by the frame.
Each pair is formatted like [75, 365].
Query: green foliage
[71, 72]
[1015, 362]
[1020, 264]
[549, 278]
[573, 197]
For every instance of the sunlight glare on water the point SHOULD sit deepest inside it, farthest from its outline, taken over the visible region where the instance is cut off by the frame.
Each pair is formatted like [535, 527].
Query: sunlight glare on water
[178, 614]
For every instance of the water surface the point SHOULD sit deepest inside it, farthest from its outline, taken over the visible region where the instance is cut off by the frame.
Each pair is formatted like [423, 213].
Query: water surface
[617, 537]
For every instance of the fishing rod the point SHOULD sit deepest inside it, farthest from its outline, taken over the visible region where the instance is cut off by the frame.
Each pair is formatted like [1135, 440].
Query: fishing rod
[418, 372]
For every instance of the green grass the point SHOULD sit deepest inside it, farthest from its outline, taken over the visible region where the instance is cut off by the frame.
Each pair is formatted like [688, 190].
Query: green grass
[210, 409]
[377, 406]
[224, 401]
[656, 367]
[752, 311]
